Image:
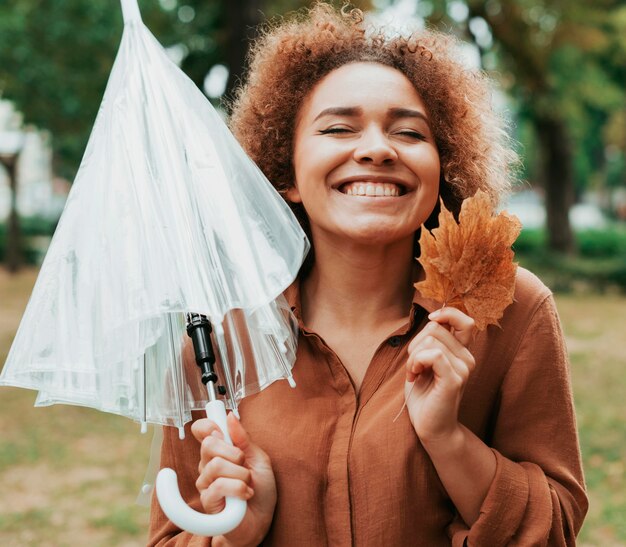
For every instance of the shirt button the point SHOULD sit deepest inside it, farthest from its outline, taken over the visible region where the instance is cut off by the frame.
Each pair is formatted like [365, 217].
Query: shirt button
[395, 341]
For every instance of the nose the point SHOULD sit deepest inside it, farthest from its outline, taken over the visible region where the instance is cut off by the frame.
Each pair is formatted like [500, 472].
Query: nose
[374, 148]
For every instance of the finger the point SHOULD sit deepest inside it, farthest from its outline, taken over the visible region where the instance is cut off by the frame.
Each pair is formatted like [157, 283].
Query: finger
[431, 329]
[437, 361]
[463, 326]
[419, 337]
[219, 467]
[417, 364]
[212, 498]
[440, 336]
[203, 428]
[463, 364]
[215, 446]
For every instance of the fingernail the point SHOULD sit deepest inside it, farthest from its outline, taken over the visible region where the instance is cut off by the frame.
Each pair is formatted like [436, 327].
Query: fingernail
[215, 433]
[434, 314]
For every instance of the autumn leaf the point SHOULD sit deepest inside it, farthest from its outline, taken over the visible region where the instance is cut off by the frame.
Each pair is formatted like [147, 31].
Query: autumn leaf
[470, 265]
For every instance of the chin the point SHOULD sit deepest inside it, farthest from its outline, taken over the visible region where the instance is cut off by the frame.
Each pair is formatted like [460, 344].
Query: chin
[377, 235]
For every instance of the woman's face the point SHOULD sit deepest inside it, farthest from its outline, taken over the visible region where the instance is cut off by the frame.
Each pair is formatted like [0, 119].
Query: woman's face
[366, 163]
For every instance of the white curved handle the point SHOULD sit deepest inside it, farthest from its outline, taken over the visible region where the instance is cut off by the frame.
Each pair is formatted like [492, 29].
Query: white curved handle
[184, 516]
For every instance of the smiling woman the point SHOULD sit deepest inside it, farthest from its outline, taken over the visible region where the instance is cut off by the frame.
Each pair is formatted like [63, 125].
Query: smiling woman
[366, 165]
[363, 133]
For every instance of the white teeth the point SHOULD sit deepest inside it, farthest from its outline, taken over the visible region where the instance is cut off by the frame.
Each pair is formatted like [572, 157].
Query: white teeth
[371, 189]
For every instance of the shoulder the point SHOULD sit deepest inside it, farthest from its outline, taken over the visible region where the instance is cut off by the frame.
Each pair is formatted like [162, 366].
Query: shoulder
[531, 299]
[529, 288]
[529, 325]
[529, 296]
[532, 317]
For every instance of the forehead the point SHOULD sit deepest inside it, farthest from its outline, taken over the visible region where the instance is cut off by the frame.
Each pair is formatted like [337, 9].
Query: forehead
[368, 85]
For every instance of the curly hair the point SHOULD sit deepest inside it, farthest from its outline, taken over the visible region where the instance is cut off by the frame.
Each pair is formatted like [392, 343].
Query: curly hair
[291, 57]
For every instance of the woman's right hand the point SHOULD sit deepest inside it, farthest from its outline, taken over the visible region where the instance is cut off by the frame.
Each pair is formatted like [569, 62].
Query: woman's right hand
[242, 470]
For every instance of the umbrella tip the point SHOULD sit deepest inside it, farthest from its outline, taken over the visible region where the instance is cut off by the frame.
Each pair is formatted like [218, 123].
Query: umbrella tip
[282, 347]
[181, 433]
[291, 381]
[146, 488]
[130, 11]
[144, 427]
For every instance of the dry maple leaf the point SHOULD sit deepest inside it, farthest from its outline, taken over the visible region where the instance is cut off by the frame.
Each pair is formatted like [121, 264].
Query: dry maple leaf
[470, 265]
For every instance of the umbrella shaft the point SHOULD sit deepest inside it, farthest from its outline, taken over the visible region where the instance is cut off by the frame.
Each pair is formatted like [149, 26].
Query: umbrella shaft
[210, 387]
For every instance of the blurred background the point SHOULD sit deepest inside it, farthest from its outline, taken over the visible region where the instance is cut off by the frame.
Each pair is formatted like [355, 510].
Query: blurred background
[70, 475]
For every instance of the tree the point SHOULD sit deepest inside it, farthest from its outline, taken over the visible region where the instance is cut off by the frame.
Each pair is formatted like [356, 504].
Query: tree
[56, 56]
[56, 59]
[552, 57]
[221, 33]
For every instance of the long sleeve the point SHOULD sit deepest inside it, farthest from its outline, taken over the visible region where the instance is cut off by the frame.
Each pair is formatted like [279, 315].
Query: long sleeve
[537, 496]
[183, 456]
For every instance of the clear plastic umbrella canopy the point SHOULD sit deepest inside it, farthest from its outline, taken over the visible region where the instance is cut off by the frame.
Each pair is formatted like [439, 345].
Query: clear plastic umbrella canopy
[167, 215]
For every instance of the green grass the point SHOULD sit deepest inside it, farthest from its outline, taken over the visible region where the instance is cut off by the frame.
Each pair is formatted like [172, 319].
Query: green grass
[594, 328]
[70, 475]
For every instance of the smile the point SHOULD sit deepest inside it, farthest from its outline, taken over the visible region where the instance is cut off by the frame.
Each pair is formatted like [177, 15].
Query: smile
[372, 189]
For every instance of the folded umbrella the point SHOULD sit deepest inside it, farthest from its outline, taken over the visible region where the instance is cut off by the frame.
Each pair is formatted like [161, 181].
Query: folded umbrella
[167, 216]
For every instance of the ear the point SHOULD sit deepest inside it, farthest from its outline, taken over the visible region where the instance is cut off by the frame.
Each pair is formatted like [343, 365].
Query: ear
[293, 194]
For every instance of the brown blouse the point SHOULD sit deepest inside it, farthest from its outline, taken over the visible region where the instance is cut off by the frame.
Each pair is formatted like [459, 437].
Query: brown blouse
[347, 474]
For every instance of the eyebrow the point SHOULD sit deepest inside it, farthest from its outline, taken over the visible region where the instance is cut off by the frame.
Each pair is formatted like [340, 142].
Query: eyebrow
[353, 111]
[397, 113]
[350, 111]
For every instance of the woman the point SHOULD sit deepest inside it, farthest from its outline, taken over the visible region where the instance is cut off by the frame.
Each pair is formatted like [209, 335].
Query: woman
[362, 133]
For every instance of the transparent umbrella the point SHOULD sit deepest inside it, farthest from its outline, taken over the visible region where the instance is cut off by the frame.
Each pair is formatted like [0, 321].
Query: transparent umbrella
[167, 219]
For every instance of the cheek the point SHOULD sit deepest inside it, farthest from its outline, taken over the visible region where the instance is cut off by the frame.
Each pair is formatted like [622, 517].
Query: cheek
[431, 164]
[428, 169]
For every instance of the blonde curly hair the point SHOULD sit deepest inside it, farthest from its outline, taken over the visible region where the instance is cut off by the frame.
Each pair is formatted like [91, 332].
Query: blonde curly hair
[293, 55]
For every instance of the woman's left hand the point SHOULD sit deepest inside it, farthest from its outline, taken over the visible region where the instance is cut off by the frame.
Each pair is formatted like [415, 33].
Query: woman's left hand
[440, 364]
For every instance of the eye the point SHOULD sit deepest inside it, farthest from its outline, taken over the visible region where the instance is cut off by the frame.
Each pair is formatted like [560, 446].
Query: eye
[412, 134]
[335, 131]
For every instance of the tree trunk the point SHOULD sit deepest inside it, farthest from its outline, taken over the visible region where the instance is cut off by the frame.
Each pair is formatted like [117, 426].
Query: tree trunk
[13, 257]
[559, 180]
[243, 18]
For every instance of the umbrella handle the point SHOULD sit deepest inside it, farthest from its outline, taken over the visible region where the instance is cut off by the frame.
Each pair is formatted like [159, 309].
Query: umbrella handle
[184, 516]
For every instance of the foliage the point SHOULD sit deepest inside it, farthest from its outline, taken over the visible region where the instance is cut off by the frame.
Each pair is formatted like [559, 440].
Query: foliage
[55, 57]
[567, 273]
[602, 243]
[55, 61]
[608, 243]
[565, 65]
[34, 237]
[599, 266]
[468, 265]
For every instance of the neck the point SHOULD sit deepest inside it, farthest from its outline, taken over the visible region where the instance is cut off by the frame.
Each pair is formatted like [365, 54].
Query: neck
[358, 285]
